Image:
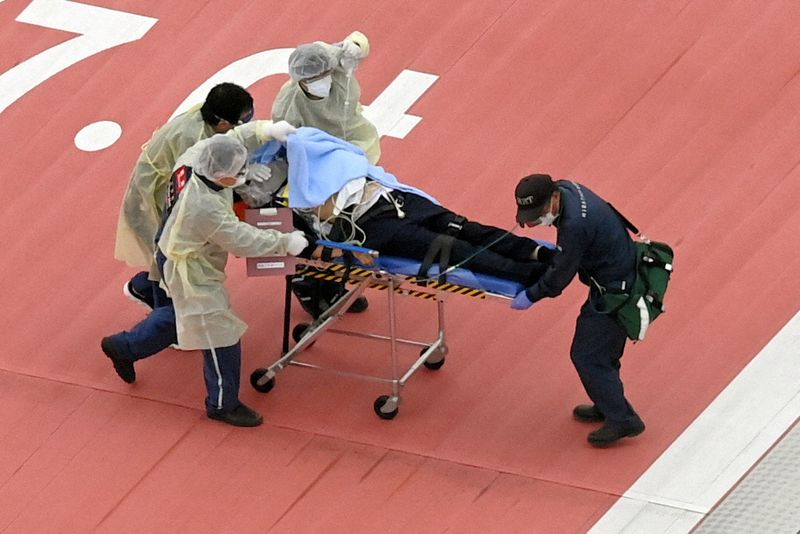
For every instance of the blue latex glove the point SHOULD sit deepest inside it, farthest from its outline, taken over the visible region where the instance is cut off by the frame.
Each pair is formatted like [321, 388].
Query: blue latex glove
[521, 301]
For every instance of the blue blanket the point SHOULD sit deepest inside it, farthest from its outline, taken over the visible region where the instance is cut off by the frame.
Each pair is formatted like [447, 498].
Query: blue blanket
[320, 165]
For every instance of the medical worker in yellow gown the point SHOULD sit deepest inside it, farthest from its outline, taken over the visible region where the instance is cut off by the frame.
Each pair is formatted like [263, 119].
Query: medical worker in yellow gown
[200, 228]
[228, 108]
[323, 92]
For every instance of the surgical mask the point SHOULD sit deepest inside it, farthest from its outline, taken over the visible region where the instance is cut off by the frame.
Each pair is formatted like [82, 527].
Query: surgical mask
[546, 220]
[240, 180]
[320, 88]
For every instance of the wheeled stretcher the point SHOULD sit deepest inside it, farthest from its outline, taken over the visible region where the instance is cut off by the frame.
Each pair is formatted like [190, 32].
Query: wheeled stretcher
[395, 277]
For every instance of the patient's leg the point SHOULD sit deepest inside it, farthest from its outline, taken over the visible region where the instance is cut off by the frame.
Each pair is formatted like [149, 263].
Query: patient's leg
[441, 220]
[412, 241]
[504, 243]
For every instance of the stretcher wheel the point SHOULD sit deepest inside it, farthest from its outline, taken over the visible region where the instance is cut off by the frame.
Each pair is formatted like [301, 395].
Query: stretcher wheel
[434, 366]
[380, 402]
[437, 364]
[298, 331]
[256, 375]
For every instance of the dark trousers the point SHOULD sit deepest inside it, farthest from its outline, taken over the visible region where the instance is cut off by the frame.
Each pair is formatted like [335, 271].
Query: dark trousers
[596, 351]
[314, 294]
[153, 334]
[157, 331]
[222, 368]
[424, 221]
[150, 290]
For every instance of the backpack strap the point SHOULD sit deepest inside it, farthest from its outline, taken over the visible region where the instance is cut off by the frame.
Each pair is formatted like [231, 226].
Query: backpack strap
[628, 224]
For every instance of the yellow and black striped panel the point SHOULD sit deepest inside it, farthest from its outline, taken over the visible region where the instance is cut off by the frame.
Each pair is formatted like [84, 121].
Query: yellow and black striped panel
[460, 290]
[357, 275]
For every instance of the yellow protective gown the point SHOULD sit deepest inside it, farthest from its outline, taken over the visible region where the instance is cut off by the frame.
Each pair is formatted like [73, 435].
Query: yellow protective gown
[144, 199]
[197, 237]
[339, 114]
[143, 203]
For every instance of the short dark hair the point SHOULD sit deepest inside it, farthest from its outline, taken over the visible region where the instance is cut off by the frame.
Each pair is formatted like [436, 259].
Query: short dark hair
[226, 101]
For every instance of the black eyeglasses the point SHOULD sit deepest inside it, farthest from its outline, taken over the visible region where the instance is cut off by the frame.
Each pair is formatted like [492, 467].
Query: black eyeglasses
[243, 120]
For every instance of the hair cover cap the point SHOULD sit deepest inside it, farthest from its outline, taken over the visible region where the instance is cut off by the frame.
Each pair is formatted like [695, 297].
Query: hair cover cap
[309, 60]
[220, 156]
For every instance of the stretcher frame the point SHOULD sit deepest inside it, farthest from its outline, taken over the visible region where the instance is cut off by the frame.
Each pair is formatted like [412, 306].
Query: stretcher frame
[432, 354]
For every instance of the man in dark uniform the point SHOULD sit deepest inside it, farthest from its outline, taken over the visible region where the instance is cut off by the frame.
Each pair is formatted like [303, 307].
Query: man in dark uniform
[595, 244]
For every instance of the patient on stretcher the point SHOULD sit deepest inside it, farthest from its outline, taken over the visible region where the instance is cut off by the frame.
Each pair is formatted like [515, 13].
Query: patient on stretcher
[346, 199]
[409, 225]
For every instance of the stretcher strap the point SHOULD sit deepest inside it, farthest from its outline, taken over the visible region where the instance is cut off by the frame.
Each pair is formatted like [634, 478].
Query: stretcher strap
[440, 247]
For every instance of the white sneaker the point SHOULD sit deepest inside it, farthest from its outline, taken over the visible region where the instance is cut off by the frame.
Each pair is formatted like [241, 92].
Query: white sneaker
[135, 297]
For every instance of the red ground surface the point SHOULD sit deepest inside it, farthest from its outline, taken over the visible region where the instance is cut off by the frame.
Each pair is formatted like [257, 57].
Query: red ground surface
[684, 114]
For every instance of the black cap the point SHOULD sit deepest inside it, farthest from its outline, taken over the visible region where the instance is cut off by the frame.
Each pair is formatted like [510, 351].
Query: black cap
[532, 193]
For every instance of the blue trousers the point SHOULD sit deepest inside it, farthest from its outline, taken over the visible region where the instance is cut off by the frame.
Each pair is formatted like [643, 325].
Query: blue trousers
[221, 369]
[596, 351]
[150, 290]
[157, 331]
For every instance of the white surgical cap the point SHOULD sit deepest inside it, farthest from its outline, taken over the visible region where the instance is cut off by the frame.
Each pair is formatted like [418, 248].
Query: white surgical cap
[220, 156]
[309, 60]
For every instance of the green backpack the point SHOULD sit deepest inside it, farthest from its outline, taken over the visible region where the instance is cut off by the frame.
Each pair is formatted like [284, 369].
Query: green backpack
[642, 305]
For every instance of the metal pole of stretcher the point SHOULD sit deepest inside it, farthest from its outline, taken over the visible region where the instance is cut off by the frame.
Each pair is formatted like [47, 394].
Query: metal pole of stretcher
[394, 400]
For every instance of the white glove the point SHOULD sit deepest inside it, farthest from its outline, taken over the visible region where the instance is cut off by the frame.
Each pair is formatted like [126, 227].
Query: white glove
[258, 173]
[280, 130]
[351, 50]
[297, 243]
[253, 195]
[351, 54]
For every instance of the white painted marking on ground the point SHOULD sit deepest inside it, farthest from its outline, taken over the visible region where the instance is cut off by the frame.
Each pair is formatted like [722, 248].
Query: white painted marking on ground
[244, 72]
[718, 448]
[97, 136]
[388, 111]
[99, 29]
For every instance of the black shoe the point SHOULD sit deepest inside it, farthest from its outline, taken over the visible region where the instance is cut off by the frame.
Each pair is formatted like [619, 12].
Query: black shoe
[239, 416]
[359, 305]
[587, 413]
[609, 434]
[124, 368]
[135, 296]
